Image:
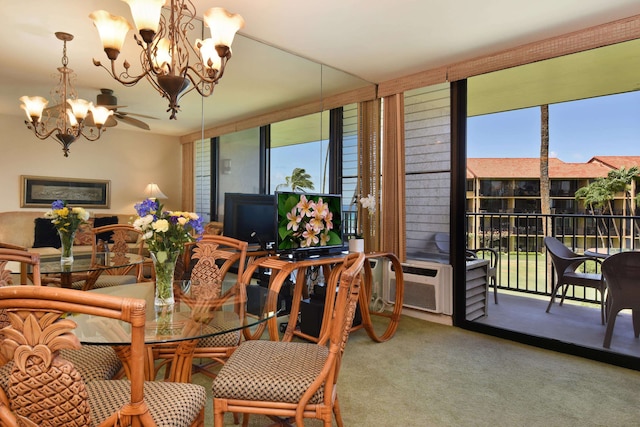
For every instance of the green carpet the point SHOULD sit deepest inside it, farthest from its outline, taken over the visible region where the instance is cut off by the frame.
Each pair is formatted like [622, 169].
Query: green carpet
[435, 375]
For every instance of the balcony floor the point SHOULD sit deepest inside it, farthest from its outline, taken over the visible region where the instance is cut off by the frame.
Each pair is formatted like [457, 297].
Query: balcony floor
[571, 323]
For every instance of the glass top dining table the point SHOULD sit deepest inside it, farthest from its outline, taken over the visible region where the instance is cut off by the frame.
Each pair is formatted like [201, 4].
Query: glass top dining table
[177, 327]
[92, 267]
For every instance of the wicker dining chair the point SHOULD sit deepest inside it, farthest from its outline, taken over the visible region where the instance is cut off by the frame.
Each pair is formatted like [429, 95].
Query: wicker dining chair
[46, 389]
[116, 238]
[24, 258]
[291, 380]
[94, 362]
[209, 260]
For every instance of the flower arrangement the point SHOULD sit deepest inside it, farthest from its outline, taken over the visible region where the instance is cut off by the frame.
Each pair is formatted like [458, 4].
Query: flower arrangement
[66, 219]
[166, 231]
[307, 223]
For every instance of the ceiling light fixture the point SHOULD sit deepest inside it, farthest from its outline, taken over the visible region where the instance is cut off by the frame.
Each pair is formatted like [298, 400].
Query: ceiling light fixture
[169, 61]
[68, 114]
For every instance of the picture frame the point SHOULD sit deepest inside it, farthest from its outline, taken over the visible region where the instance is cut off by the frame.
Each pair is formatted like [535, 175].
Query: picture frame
[41, 191]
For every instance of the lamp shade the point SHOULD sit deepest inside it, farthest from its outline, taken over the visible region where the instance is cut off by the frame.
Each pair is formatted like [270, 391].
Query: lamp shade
[152, 191]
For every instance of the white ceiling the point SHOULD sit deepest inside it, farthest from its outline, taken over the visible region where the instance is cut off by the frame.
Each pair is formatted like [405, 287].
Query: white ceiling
[276, 60]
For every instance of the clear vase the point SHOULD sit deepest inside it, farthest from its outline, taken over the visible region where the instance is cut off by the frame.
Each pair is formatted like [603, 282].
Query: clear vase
[164, 265]
[66, 250]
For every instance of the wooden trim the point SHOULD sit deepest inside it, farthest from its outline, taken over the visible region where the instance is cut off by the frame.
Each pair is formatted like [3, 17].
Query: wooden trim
[610, 33]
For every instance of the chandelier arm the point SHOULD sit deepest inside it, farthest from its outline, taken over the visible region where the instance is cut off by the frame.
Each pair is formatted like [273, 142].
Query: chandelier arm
[91, 136]
[39, 134]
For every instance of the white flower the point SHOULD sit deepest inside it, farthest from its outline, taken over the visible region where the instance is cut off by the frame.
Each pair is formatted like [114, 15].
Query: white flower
[369, 203]
[161, 226]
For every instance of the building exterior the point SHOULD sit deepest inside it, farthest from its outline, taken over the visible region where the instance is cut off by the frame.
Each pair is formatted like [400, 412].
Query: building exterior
[505, 193]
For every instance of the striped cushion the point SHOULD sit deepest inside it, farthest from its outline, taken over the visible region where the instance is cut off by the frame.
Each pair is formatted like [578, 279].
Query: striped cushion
[170, 404]
[93, 362]
[271, 371]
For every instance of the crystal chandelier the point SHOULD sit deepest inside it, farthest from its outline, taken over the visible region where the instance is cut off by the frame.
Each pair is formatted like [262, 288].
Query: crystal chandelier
[67, 116]
[170, 62]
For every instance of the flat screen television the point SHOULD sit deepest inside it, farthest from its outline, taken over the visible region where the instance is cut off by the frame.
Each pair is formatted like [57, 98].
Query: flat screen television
[308, 224]
[250, 217]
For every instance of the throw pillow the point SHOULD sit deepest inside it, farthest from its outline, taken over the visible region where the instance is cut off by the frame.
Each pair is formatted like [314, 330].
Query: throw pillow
[105, 220]
[84, 235]
[46, 234]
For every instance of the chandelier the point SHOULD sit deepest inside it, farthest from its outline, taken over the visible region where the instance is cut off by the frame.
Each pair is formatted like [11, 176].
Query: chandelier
[170, 62]
[66, 119]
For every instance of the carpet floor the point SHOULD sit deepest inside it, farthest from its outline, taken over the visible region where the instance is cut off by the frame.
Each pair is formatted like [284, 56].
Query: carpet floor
[430, 374]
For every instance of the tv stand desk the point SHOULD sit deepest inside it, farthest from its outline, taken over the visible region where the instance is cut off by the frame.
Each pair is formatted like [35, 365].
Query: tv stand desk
[281, 270]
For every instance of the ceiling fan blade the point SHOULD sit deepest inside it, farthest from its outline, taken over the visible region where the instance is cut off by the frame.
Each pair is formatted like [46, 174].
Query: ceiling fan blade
[126, 113]
[134, 122]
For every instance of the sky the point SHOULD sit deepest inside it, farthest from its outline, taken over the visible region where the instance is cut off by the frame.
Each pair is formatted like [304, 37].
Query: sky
[578, 130]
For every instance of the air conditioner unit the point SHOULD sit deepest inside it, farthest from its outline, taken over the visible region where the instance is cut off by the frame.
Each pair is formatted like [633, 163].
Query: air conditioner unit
[427, 286]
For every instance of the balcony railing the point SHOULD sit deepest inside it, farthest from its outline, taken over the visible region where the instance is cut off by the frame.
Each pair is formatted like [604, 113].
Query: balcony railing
[524, 265]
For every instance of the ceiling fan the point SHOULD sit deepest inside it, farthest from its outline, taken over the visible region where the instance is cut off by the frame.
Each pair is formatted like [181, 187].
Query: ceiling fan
[107, 99]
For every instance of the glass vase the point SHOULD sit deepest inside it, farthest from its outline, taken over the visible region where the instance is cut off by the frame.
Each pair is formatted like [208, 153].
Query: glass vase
[164, 265]
[66, 250]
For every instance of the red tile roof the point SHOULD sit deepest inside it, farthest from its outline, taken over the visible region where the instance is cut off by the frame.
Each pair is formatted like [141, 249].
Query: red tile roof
[513, 168]
[617, 162]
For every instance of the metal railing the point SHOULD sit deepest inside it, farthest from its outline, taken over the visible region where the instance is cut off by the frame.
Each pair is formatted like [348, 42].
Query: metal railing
[523, 263]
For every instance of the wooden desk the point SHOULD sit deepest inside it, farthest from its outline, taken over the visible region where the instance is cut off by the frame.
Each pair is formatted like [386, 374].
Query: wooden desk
[179, 325]
[281, 270]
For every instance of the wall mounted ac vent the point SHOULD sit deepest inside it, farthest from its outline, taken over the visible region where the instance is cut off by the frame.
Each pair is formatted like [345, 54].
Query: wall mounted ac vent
[427, 286]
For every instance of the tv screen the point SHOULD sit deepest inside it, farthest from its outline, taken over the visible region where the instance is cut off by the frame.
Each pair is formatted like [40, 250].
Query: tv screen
[250, 217]
[308, 224]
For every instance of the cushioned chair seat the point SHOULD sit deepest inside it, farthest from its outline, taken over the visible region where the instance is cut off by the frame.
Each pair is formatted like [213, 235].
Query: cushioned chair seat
[94, 362]
[186, 400]
[224, 340]
[107, 280]
[242, 379]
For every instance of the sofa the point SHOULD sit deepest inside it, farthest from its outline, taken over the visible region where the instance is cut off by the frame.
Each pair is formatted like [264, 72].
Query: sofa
[32, 231]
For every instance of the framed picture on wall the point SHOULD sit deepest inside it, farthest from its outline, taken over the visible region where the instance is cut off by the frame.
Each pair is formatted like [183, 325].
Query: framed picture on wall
[41, 191]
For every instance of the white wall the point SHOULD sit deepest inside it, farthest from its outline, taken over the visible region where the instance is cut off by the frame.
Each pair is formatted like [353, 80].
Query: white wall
[129, 159]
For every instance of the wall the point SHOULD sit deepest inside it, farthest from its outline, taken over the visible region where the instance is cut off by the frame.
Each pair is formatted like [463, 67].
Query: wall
[129, 159]
[428, 167]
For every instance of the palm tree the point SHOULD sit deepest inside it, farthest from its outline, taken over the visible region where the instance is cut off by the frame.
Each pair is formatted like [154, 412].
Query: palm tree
[298, 181]
[599, 193]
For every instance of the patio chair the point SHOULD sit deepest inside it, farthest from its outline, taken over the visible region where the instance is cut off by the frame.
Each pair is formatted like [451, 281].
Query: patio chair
[292, 380]
[622, 277]
[443, 245]
[45, 388]
[493, 257]
[566, 263]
